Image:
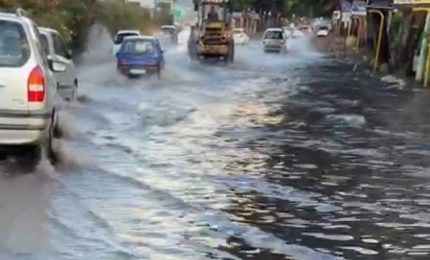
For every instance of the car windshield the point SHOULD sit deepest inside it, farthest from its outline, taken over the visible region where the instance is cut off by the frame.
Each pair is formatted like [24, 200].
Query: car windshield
[138, 47]
[238, 31]
[14, 48]
[120, 37]
[274, 35]
[324, 28]
[168, 30]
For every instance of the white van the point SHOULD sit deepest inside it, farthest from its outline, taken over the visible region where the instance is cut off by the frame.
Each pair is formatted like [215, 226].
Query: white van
[28, 95]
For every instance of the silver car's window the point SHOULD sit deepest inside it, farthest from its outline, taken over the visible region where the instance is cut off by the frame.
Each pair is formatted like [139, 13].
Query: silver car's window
[138, 47]
[14, 48]
[59, 45]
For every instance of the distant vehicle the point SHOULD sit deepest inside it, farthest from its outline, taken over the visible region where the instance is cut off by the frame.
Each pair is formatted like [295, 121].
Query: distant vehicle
[240, 36]
[274, 40]
[170, 32]
[297, 34]
[323, 31]
[306, 29]
[139, 56]
[56, 47]
[28, 95]
[119, 37]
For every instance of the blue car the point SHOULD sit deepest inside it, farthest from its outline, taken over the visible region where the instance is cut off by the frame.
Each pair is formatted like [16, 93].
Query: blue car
[139, 56]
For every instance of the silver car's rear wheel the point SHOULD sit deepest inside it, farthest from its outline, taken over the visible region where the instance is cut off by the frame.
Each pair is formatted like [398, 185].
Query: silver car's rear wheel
[54, 132]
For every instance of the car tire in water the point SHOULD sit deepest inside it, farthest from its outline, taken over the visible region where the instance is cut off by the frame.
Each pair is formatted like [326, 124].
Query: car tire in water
[32, 155]
[230, 56]
[54, 132]
[158, 73]
[75, 90]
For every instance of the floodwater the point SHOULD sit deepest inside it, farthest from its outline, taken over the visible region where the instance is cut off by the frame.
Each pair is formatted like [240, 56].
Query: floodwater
[290, 156]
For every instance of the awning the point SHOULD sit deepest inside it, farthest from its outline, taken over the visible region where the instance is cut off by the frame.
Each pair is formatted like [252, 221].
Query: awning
[380, 4]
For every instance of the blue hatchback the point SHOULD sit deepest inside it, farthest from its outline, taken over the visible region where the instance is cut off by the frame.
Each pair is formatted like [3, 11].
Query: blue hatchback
[139, 56]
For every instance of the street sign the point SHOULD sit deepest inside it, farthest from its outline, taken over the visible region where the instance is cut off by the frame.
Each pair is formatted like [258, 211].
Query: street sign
[179, 13]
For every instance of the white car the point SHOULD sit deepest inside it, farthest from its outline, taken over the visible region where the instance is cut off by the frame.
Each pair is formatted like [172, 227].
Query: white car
[119, 37]
[56, 47]
[323, 31]
[170, 32]
[274, 40]
[28, 95]
[240, 37]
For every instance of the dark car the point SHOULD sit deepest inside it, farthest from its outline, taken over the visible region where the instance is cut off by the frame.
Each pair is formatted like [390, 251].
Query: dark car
[139, 56]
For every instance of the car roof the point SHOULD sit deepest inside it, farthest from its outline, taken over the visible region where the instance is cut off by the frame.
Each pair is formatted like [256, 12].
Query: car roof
[46, 29]
[14, 17]
[140, 37]
[274, 29]
[128, 31]
[168, 26]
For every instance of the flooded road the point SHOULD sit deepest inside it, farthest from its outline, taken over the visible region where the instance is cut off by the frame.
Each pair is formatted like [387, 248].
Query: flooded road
[273, 157]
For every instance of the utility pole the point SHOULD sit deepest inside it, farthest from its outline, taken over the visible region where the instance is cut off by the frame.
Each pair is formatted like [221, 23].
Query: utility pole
[423, 50]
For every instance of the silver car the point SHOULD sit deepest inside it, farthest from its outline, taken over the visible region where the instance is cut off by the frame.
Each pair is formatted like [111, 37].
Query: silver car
[275, 40]
[56, 48]
[28, 95]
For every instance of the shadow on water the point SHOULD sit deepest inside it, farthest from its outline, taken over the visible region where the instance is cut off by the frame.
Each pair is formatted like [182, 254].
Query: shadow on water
[23, 204]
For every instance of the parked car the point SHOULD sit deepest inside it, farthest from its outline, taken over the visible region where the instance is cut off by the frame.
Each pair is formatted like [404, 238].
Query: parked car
[240, 36]
[119, 37]
[28, 95]
[140, 55]
[170, 32]
[323, 31]
[274, 40]
[55, 46]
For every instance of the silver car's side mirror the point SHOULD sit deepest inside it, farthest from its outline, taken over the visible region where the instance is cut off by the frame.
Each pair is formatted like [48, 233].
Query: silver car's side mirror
[55, 65]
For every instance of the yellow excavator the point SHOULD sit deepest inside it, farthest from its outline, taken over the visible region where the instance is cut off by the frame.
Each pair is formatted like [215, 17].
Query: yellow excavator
[212, 35]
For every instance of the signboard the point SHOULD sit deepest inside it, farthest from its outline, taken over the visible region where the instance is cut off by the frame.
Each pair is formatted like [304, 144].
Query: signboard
[358, 8]
[179, 13]
[380, 4]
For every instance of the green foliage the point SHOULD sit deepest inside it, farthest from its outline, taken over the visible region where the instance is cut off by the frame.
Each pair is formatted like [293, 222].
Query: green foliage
[117, 15]
[70, 17]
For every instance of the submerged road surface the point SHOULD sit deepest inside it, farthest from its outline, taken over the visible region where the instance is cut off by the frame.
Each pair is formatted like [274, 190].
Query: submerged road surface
[273, 157]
